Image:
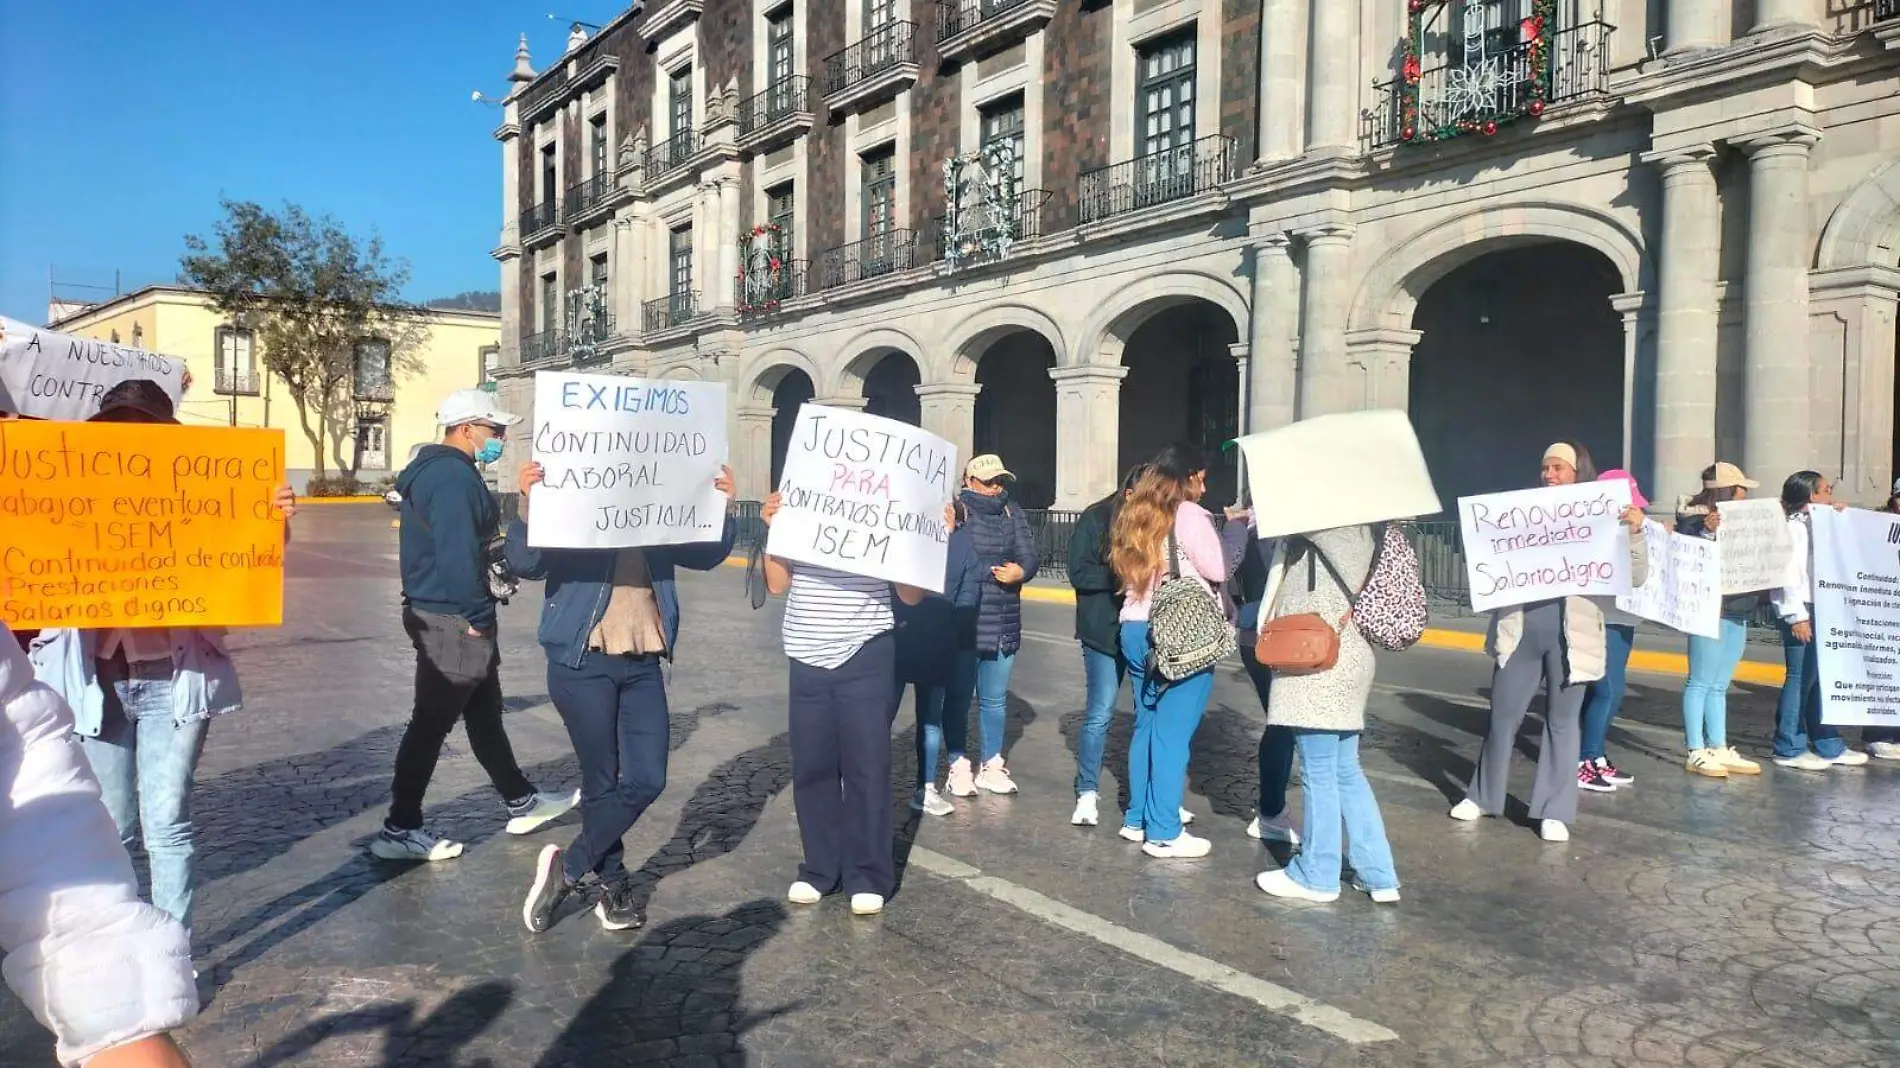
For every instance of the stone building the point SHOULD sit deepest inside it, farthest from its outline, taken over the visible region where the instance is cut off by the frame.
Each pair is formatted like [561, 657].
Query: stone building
[1070, 231]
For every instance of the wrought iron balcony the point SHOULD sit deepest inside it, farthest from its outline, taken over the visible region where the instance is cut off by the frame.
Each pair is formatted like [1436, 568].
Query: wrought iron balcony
[884, 61]
[977, 239]
[779, 113]
[672, 310]
[1482, 95]
[588, 195]
[873, 257]
[231, 382]
[671, 153]
[966, 28]
[539, 218]
[757, 295]
[1157, 178]
[544, 347]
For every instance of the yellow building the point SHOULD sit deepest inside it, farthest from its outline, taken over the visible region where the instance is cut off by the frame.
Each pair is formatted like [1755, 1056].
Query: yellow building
[390, 414]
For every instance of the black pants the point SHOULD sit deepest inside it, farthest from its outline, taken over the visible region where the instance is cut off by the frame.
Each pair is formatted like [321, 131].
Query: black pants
[1276, 743]
[458, 676]
[615, 711]
[841, 769]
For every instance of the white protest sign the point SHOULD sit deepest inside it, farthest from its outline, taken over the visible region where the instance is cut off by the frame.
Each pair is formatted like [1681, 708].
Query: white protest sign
[1756, 546]
[1540, 544]
[627, 461]
[1681, 590]
[49, 375]
[865, 495]
[1370, 463]
[1857, 616]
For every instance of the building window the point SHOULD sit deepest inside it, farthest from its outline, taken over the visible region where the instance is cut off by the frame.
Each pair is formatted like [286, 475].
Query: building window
[679, 97]
[1480, 29]
[550, 305]
[372, 370]
[878, 14]
[880, 193]
[372, 444]
[597, 271]
[679, 258]
[597, 144]
[234, 370]
[550, 183]
[780, 59]
[491, 363]
[1166, 117]
[781, 209]
[1003, 124]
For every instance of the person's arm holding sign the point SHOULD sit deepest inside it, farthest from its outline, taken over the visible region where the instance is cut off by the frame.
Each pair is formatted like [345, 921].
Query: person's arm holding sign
[778, 574]
[706, 555]
[1639, 546]
[525, 560]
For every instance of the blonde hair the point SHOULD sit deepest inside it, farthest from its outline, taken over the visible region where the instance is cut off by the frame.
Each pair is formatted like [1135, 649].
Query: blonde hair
[1138, 539]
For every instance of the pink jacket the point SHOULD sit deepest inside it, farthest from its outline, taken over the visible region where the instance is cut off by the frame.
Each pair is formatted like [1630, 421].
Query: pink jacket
[1202, 558]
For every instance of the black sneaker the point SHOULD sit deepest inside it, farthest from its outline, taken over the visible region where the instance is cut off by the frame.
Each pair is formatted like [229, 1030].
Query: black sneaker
[1589, 778]
[549, 890]
[619, 907]
[1612, 774]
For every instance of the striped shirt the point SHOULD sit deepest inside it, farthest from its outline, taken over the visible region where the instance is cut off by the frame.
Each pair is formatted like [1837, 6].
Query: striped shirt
[830, 615]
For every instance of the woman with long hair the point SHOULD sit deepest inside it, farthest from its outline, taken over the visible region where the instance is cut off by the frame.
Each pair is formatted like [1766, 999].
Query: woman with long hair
[1712, 661]
[1098, 605]
[1161, 531]
[1798, 713]
[1561, 645]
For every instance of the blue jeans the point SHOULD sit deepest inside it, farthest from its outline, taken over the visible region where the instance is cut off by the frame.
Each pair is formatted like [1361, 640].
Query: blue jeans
[1103, 675]
[958, 691]
[1336, 794]
[992, 700]
[1603, 699]
[1277, 744]
[1798, 713]
[929, 728]
[1712, 664]
[614, 708]
[1166, 716]
[145, 763]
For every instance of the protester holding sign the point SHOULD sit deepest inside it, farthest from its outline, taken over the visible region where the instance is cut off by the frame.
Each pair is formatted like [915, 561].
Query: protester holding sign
[1559, 643]
[143, 698]
[837, 633]
[610, 623]
[1603, 699]
[1712, 661]
[1798, 722]
[1857, 597]
[1007, 550]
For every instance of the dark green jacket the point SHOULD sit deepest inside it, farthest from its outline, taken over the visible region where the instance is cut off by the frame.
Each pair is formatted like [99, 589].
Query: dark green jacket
[1098, 595]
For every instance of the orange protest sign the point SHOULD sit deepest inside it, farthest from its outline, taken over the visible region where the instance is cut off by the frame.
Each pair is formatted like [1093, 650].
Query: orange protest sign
[136, 525]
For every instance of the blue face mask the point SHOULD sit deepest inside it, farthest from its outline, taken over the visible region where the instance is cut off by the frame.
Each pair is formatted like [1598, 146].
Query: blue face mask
[489, 452]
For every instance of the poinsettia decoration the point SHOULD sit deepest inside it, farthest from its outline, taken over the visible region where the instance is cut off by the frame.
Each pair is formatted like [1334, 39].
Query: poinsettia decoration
[762, 276]
[1484, 92]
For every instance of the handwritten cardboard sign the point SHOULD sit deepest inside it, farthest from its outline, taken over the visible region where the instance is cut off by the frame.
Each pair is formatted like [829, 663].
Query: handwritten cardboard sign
[1756, 545]
[865, 495]
[1540, 544]
[1857, 616]
[131, 525]
[627, 461]
[49, 375]
[1684, 585]
[1370, 463]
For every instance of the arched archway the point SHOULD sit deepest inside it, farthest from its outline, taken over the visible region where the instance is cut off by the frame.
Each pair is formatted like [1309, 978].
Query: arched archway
[790, 392]
[1183, 384]
[890, 387]
[1520, 347]
[1016, 412]
[1862, 232]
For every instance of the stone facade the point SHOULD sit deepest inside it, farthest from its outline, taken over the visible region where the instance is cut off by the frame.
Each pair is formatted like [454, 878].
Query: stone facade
[1674, 258]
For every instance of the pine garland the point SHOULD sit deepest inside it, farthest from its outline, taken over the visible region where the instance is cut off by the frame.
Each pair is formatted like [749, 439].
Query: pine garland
[1534, 33]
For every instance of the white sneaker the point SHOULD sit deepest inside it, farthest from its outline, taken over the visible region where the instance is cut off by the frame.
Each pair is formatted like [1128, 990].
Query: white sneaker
[1185, 847]
[1805, 762]
[539, 810]
[1085, 814]
[962, 781]
[866, 904]
[418, 844]
[1466, 811]
[1132, 834]
[803, 893]
[1388, 896]
[929, 801]
[1278, 829]
[995, 777]
[1553, 831]
[1849, 758]
[1886, 750]
[1280, 884]
[1186, 817]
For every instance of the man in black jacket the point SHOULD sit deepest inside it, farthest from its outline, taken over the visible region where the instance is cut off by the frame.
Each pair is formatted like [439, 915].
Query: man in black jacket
[449, 518]
[1098, 605]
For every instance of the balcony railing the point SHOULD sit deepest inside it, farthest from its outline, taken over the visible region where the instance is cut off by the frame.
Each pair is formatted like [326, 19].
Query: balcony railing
[881, 50]
[538, 218]
[1157, 178]
[787, 97]
[1458, 98]
[665, 313]
[670, 153]
[759, 297]
[1031, 206]
[546, 346]
[873, 257]
[955, 16]
[587, 195]
[230, 382]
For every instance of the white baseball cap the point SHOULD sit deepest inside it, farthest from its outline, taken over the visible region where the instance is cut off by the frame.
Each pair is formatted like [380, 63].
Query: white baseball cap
[466, 406]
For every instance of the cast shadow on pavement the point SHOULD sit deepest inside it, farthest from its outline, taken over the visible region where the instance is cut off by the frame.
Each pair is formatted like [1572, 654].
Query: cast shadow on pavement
[436, 1039]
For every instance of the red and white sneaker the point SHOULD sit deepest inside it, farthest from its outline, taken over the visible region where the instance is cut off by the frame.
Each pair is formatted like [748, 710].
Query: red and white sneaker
[1591, 779]
[1612, 774]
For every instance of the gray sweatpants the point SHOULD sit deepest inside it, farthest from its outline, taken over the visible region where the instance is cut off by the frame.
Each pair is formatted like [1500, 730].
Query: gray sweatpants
[1538, 658]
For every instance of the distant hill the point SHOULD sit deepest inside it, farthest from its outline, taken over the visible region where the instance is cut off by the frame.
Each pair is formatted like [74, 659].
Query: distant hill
[473, 300]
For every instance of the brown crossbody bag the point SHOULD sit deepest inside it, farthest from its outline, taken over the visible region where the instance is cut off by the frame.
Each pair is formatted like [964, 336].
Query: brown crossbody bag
[1306, 643]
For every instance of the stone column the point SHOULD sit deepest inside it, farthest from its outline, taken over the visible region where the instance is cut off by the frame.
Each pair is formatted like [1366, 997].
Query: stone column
[1281, 122]
[1382, 360]
[1775, 377]
[1686, 321]
[622, 278]
[1333, 51]
[1772, 13]
[706, 243]
[1088, 447]
[509, 250]
[728, 241]
[1630, 307]
[752, 452]
[1272, 325]
[948, 410]
[1326, 303]
[1697, 24]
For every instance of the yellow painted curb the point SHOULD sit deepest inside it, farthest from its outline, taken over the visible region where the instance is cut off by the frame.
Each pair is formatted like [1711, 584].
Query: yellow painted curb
[1753, 672]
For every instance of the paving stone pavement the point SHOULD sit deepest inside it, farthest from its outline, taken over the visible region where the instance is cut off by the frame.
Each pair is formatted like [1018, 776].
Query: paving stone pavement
[1745, 924]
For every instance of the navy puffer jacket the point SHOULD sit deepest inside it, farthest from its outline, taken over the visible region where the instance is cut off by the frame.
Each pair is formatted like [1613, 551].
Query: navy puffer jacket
[1001, 534]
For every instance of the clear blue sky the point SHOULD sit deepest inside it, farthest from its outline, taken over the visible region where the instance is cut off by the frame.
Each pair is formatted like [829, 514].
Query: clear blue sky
[122, 123]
